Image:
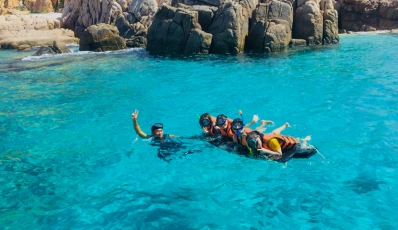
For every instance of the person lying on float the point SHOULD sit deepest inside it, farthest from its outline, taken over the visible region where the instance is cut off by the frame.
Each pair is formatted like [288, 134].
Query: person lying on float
[239, 128]
[273, 144]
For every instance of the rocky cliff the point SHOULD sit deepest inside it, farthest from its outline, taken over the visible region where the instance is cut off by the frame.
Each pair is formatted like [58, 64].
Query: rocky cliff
[368, 15]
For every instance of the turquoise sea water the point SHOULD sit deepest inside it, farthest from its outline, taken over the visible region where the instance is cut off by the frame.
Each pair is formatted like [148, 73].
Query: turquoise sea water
[70, 159]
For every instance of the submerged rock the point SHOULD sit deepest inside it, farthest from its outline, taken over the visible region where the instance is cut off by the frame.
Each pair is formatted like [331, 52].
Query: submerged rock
[56, 48]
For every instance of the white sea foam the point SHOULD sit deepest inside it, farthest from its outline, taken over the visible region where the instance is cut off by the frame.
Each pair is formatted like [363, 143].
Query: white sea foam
[52, 56]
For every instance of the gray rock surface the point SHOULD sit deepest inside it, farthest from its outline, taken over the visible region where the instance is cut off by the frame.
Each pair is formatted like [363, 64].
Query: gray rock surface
[171, 31]
[308, 23]
[369, 15]
[271, 27]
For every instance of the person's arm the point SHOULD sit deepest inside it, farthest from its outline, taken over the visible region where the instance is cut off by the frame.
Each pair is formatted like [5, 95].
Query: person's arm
[137, 128]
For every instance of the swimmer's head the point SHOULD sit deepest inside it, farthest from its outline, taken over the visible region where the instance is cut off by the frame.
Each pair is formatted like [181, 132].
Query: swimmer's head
[157, 130]
[253, 140]
[205, 122]
[221, 121]
[237, 126]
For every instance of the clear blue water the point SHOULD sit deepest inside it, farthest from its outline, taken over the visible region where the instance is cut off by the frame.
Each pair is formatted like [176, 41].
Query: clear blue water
[70, 159]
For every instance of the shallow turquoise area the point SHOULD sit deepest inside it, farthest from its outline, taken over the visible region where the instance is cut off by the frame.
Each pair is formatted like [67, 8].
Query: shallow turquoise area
[70, 159]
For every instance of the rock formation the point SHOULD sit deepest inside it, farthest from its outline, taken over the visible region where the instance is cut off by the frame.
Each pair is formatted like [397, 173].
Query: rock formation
[369, 15]
[271, 27]
[101, 37]
[25, 31]
[177, 31]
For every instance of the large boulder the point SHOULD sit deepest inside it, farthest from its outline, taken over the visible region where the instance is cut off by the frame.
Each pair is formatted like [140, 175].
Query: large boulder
[230, 27]
[176, 30]
[308, 22]
[271, 27]
[101, 37]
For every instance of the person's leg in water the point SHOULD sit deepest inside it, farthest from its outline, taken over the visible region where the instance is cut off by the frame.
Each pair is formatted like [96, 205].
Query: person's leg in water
[280, 129]
[304, 141]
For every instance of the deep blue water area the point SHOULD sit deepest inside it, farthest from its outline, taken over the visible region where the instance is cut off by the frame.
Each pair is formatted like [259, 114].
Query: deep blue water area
[70, 159]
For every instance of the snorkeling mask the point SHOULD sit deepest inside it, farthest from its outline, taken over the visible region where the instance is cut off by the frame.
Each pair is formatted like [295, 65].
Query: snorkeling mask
[156, 126]
[205, 122]
[237, 126]
[252, 140]
[221, 119]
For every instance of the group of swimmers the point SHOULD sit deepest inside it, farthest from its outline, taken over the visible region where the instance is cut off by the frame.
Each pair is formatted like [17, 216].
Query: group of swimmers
[269, 145]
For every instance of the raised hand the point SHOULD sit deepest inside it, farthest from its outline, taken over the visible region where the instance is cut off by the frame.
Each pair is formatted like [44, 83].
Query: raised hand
[134, 115]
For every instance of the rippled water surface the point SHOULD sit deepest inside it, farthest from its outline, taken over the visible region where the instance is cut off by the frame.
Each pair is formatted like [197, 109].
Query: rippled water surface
[70, 159]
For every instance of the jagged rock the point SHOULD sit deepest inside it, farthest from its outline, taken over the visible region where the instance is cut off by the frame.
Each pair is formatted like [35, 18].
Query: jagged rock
[308, 23]
[271, 28]
[143, 10]
[126, 29]
[205, 14]
[101, 37]
[357, 15]
[77, 15]
[230, 27]
[139, 40]
[171, 29]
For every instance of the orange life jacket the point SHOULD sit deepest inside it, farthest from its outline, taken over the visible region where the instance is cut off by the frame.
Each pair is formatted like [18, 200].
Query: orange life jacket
[286, 142]
[228, 131]
[239, 139]
[211, 129]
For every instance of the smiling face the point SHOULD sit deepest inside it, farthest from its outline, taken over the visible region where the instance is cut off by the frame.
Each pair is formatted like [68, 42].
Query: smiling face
[158, 133]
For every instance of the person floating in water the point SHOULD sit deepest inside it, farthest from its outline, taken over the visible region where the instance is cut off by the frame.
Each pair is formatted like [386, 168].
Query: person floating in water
[156, 129]
[169, 145]
[273, 144]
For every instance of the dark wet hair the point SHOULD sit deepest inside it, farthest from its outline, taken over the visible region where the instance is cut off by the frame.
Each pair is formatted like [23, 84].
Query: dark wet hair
[156, 126]
[221, 119]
